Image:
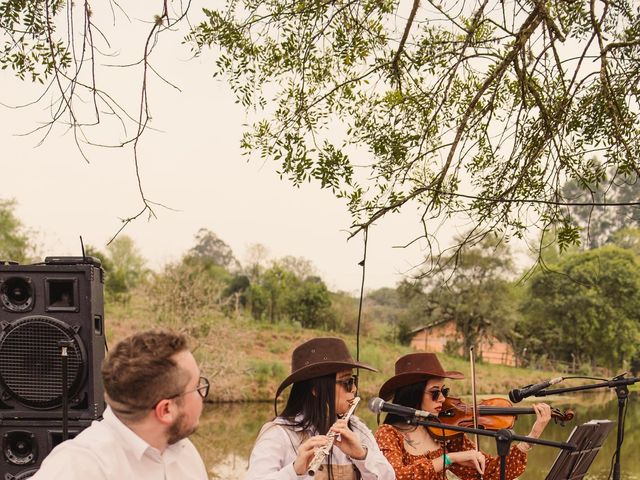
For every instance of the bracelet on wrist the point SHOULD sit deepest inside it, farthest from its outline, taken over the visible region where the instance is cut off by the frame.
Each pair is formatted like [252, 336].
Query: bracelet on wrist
[446, 461]
[525, 447]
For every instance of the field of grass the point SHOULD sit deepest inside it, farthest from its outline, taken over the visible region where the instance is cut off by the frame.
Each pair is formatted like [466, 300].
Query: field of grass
[246, 361]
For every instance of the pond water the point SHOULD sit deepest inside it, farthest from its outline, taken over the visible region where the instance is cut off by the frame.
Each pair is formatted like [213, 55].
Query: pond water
[227, 433]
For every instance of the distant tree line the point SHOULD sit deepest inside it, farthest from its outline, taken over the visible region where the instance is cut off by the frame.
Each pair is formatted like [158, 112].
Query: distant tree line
[579, 305]
[207, 279]
[583, 309]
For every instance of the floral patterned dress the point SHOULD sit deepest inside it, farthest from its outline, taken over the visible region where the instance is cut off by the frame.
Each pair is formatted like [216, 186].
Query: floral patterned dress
[420, 467]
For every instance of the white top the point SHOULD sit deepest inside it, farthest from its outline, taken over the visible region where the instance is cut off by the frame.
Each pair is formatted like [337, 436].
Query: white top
[276, 449]
[109, 450]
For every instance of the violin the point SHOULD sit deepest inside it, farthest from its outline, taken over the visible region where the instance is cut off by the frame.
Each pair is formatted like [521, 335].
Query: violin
[492, 414]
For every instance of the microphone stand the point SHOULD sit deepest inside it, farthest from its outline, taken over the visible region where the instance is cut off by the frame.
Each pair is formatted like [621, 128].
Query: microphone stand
[619, 383]
[503, 438]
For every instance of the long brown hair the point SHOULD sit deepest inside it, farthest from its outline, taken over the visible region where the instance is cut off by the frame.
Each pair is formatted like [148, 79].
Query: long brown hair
[315, 401]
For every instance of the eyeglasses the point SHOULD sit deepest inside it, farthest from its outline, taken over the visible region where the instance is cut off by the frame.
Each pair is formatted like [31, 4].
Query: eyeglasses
[348, 383]
[202, 389]
[435, 394]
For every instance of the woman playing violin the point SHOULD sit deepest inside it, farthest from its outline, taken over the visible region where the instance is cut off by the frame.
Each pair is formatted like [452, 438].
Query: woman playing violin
[414, 452]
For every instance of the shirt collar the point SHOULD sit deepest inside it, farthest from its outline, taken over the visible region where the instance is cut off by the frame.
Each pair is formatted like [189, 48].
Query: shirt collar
[135, 444]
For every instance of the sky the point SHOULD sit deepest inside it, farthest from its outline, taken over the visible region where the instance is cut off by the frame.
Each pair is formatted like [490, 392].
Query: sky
[191, 162]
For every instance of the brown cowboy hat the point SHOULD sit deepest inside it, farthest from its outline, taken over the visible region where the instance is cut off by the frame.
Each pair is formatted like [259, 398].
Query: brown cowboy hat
[318, 357]
[414, 368]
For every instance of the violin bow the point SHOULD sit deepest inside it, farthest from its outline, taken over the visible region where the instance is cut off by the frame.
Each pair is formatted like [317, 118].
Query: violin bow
[474, 402]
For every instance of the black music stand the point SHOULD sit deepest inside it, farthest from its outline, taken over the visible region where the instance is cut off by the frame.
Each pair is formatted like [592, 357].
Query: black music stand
[503, 438]
[620, 383]
[588, 438]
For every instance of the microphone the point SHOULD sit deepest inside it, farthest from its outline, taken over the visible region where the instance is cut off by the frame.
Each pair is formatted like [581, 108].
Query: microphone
[377, 405]
[517, 394]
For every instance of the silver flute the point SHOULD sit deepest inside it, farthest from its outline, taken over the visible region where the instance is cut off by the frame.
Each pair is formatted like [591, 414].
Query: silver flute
[321, 453]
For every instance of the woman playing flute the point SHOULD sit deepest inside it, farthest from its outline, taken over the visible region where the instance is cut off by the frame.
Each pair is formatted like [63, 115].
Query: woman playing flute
[323, 388]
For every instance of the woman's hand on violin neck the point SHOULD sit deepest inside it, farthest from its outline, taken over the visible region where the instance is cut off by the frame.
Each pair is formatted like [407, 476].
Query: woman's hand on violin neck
[306, 452]
[469, 458]
[543, 415]
[348, 441]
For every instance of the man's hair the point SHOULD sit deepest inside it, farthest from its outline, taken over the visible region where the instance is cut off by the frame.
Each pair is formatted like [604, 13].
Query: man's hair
[140, 371]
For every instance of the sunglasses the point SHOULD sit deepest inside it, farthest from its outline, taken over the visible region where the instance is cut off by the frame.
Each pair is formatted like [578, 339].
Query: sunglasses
[348, 383]
[435, 394]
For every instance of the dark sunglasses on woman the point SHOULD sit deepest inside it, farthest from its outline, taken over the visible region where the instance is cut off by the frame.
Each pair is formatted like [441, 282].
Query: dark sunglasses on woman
[435, 394]
[348, 383]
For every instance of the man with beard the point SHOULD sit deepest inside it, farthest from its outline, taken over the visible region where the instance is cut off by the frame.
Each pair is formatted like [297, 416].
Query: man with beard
[154, 394]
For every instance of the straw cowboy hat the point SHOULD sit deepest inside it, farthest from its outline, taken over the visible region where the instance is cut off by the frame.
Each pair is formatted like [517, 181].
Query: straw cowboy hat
[318, 357]
[414, 368]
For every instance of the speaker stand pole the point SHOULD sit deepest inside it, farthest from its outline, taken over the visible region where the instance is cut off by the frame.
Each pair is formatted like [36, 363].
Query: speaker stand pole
[64, 346]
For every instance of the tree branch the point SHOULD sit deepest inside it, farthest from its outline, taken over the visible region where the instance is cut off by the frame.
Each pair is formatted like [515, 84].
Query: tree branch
[396, 58]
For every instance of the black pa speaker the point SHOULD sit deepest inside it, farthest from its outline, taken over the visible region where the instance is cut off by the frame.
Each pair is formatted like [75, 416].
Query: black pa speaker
[25, 444]
[48, 311]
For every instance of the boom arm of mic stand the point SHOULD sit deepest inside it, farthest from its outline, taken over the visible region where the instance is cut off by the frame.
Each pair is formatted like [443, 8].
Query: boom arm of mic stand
[503, 439]
[609, 384]
[620, 384]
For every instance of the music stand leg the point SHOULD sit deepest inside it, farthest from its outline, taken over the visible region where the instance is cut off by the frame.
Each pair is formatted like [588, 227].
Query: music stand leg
[623, 393]
[503, 445]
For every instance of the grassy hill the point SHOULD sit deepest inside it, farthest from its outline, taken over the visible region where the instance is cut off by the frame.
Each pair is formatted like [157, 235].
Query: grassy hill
[246, 361]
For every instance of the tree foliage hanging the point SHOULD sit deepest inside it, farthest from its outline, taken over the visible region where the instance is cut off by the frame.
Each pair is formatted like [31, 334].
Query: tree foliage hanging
[467, 109]
[474, 109]
[66, 47]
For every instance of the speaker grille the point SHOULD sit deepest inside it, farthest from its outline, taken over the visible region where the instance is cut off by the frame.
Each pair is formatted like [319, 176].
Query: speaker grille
[21, 476]
[31, 361]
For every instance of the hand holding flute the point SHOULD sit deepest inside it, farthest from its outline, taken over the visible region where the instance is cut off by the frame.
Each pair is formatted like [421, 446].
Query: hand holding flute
[306, 452]
[343, 437]
[348, 441]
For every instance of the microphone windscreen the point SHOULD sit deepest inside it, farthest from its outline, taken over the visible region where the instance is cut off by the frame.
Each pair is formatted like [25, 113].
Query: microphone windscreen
[514, 396]
[375, 404]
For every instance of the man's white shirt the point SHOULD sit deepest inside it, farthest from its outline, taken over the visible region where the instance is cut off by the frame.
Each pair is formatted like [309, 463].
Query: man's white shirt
[109, 450]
